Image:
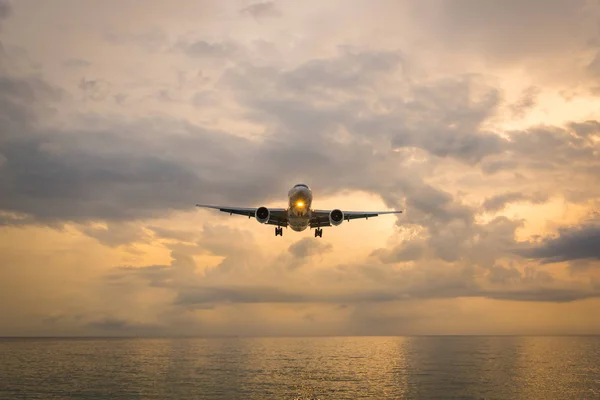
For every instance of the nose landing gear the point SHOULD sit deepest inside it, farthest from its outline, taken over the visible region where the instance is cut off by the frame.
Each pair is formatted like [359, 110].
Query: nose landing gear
[318, 232]
[278, 231]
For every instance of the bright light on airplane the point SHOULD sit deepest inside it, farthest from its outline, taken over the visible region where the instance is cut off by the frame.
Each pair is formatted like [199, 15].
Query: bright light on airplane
[298, 215]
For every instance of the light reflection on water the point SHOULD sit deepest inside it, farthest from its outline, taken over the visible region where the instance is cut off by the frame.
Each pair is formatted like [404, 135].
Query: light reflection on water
[302, 368]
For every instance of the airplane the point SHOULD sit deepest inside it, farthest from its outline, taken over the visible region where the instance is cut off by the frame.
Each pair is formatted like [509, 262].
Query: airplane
[298, 215]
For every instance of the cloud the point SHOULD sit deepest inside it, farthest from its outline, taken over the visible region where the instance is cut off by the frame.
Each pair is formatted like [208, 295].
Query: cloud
[261, 106]
[116, 234]
[526, 102]
[5, 10]
[244, 276]
[400, 286]
[64, 180]
[202, 48]
[503, 275]
[172, 234]
[76, 63]
[552, 40]
[572, 243]
[124, 326]
[152, 40]
[544, 295]
[410, 251]
[308, 247]
[586, 128]
[94, 89]
[121, 171]
[512, 30]
[134, 178]
[262, 10]
[474, 244]
[500, 201]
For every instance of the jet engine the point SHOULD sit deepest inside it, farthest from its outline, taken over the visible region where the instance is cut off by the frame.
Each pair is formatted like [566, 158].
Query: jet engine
[262, 215]
[336, 217]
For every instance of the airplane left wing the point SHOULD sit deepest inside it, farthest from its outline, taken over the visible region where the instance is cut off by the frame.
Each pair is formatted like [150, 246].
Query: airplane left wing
[278, 215]
[321, 217]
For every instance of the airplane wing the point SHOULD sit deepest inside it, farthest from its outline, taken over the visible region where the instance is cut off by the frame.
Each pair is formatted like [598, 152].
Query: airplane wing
[320, 218]
[278, 215]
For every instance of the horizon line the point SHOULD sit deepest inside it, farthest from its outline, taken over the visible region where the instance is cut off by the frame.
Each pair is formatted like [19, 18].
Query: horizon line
[289, 336]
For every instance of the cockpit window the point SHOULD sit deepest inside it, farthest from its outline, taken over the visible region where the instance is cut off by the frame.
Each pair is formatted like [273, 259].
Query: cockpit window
[301, 185]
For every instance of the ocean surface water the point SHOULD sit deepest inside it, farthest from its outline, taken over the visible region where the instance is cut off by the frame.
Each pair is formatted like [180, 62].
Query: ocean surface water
[424, 367]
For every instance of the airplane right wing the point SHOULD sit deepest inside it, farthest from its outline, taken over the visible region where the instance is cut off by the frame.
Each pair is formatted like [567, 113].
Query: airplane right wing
[321, 217]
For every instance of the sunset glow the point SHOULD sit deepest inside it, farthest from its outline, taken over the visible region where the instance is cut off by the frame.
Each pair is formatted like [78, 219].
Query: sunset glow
[479, 120]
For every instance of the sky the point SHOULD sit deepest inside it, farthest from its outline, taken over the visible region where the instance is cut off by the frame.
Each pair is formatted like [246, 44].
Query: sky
[479, 119]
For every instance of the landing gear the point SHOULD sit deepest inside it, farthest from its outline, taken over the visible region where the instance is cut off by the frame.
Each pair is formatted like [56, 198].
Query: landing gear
[278, 231]
[318, 232]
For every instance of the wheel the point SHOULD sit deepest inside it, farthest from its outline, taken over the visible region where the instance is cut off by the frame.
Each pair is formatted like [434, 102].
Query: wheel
[278, 231]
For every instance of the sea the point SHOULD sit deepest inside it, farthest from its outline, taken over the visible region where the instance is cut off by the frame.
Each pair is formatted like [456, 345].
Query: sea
[421, 367]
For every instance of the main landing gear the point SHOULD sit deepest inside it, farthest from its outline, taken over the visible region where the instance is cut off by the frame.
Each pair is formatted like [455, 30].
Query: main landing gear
[318, 232]
[279, 231]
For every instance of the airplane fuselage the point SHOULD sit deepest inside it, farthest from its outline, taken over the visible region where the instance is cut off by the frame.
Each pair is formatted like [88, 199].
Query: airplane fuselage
[299, 207]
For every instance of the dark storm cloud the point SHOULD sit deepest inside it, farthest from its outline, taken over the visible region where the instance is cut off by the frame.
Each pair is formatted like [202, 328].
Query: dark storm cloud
[574, 243]
[262, 10]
